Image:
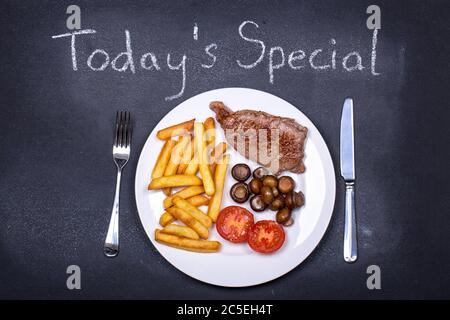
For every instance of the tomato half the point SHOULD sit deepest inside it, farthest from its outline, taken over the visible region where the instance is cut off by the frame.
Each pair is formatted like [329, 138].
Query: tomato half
[266, 236]
[234, 223]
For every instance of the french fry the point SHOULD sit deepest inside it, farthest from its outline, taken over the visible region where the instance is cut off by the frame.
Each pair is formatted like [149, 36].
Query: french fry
[187, 244]
[175, 130]
[217, 154]
[176, 155]
[186, 158]
[184, 193]
[210, 131]
[201, 153]
[210, 140]
[192, 167]
[178, 180]
[181, 231]
[198, 200]
[163, 159]
[219, 180]
[195, 212]
[205, 172]
[166, 218]
[190, 221]
[167, 191]
[175, 159]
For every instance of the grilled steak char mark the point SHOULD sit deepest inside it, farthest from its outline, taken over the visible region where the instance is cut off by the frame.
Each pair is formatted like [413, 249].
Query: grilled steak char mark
[291, 135]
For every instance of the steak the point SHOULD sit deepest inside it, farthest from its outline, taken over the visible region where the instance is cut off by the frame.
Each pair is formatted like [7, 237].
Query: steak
[285, 137]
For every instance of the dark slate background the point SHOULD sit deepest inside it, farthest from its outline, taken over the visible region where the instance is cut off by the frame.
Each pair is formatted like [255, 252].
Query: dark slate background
[57, 175]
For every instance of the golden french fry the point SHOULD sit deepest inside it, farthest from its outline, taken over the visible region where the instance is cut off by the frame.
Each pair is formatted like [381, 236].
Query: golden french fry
[187, 244]
[201, 153]
[181, 231]
[208, 181]
[178, 180]
[166, 218]
[192, 167]
[175, 159]
[195, 212]
[176, 155]
[217, 154]
[219, 178]
[190, 221]
[210, 131]
[175, 130]
[198, 200]
[186, 158]
[210, 140]
[184, 193]
[163, 159]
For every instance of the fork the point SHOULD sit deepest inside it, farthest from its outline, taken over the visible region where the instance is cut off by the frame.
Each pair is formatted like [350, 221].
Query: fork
[121, 154]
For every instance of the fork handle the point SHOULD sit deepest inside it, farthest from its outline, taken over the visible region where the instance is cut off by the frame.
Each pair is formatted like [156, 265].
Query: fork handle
[350, 244]
[111, 247]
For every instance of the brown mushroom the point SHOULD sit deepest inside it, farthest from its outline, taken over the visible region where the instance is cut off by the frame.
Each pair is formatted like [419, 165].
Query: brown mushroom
[257, 204]
[289, 200]
[299, 199]
[270, 181]
[260, 172]
[283, 215]
[239, 192]
[288, 223]
[241, 172]
[277, 204]
[275, 192]
[294, 199]
[255, 185]
[286, 184]
[267, 194]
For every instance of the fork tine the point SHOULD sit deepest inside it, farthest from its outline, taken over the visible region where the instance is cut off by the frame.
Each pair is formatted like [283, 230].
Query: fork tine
[124, 128]
[131, 132]
[124, 115]
[120, 133]
[130, 129]
[116, 132]
[127, 127]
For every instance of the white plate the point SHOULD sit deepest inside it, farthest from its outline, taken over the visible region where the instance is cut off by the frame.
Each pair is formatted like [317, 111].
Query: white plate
[236, 265]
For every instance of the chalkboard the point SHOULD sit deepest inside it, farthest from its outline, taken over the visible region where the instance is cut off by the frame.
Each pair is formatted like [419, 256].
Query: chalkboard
[56, 124]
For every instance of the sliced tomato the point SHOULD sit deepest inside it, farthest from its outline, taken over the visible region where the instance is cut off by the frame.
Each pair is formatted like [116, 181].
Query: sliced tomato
[266, 236]
[234, 223]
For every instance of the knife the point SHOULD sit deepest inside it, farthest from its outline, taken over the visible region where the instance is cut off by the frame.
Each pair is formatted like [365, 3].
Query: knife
[348, 173]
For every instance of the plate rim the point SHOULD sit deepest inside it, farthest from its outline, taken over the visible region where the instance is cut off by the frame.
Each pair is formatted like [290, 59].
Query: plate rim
[324, 227]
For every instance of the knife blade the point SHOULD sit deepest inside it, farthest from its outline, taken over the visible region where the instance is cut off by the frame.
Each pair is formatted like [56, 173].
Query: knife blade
[347, 142]
[348, 173]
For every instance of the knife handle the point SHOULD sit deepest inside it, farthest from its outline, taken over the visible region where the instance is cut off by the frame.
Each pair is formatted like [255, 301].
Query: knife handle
[350, 245]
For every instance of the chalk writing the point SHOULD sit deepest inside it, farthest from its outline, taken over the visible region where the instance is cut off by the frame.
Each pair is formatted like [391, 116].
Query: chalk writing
[195, 32]
[208, 50]
[261, 43]
[316, 59]
[182, 66]
[72, 43]
[103, 65]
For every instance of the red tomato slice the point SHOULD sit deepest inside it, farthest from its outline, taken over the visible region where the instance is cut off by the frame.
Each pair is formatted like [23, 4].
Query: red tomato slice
[234, 223]
[266, 236]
